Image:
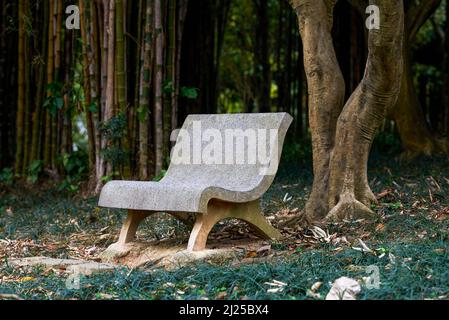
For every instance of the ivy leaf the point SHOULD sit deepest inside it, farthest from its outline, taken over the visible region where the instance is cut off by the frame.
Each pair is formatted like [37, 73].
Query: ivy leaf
[142, 114]
[189, 93]
[59, 102]
[168, 87]
[93, 108]
[46, 103]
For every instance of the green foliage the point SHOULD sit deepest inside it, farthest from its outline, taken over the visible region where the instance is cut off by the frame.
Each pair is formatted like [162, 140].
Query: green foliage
[114, 130]
[76, 166]
[115, 154]
[54, 100]
[35, 169]
[189, 93]
[75, 163]
[167, 87]
[142, 113]
[185, 92]
[107, 178]
[160, 176]
[93, 108]
[387, 142]
[7, 176]
[297, 151]
[427, 32]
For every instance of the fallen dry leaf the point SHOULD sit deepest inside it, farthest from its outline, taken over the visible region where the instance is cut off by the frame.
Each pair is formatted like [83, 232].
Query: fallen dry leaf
[26, 279]
[221, 295]
[316, 286]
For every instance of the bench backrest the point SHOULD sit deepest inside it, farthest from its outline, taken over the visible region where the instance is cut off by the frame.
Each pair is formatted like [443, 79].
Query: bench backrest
[238, 152]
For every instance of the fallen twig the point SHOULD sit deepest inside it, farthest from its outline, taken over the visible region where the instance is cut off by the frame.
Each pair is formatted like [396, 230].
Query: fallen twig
[5, 296]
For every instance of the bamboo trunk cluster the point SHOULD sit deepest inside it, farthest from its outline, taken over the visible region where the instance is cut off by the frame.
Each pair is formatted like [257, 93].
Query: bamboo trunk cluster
[85, 75]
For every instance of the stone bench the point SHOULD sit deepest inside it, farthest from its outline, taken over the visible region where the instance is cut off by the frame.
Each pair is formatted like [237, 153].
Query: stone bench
[220, 167]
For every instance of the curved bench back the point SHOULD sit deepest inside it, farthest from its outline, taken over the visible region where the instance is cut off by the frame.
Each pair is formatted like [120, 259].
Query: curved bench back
[239, 152]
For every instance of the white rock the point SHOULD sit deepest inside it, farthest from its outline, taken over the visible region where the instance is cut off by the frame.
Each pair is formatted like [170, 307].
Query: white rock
[344, 289]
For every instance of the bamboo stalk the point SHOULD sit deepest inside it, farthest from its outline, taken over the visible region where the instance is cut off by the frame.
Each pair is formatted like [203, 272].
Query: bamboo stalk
[159, 155]
[40, 93]
[20, 90]
[87, 85]
[145, 93]
[50, 69]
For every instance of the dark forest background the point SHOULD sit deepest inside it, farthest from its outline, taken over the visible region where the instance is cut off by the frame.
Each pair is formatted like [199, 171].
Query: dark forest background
[81, 107]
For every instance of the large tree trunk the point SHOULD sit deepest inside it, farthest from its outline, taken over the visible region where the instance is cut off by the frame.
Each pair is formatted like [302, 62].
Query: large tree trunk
[326, 93]
[349, 193]
[342, 142]
[416, 136]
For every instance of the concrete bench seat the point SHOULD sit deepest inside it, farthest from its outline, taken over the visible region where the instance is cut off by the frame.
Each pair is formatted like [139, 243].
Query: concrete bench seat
[214, 189]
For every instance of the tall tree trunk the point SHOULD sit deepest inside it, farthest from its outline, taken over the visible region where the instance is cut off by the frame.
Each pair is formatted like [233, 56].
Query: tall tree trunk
[110, 83]
[27, 108]
[87, 84]
[262, 69]
[67, 139]
[95, 75]
[104, 168]
[57, 79]
[349, 193]
[21, 90]
[182, 11]
[145, 83]
[120, 57]
[10, 89]
[342, 139]
[416, 136]
[3, 112]
[133, 123]
[50, 79]
[40, 93]
[322, 71]
[158, 115]
[446, 71]
[120, 89]
[169, 75]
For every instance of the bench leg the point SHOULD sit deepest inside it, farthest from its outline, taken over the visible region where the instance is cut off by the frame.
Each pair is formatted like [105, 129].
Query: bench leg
[217, 210]
[129, 229]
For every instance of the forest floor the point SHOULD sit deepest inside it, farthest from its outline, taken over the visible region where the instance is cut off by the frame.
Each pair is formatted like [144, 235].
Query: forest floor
[409, 243]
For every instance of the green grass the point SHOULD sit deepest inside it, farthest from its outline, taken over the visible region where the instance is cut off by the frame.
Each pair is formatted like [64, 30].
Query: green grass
[425, 276]
[412, 226]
